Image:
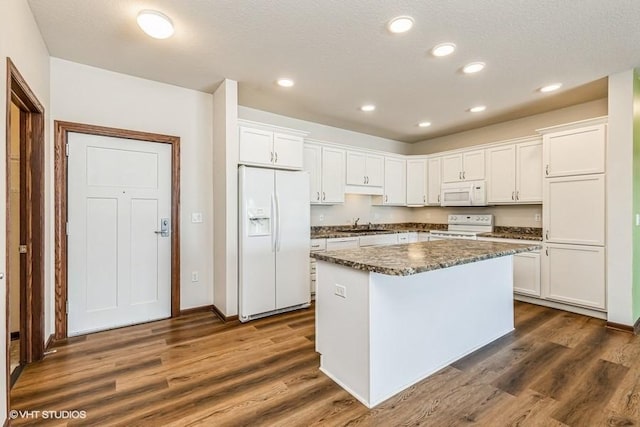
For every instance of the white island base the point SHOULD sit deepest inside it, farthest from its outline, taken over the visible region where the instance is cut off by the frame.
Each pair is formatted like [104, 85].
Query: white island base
[389, 332]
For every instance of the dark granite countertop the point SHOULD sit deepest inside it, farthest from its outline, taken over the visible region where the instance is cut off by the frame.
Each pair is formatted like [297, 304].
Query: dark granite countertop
[329, 232]
[414, 258]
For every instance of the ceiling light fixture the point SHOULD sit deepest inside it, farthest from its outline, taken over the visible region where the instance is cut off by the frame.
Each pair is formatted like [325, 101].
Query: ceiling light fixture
[424, 124]
[443, 49]
[477, 109]
[400, 24]
[551, 87]
[284, 82]
[155, 24]
[368, 108]
[473, 67]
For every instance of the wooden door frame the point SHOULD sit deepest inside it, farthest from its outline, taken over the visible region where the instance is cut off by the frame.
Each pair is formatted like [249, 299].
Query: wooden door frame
[32, 217]
[62, 130]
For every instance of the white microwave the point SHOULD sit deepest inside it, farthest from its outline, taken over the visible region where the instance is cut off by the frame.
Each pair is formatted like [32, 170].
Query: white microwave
[469, 193]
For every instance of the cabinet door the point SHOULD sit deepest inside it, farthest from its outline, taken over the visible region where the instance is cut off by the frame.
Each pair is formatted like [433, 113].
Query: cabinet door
[337, 244]
[529, 172]
[312, 162]
[501, 174]
[356, 168]
[332, 175]
[375, 171]
[452, 168]
[256, 146]
[423, 237]
[416, 182]
[395, 181]
[574, 210]
[473, 165]
[575, 152]
[433, 180]
[575, 275]
[526, 273]
[287, 151]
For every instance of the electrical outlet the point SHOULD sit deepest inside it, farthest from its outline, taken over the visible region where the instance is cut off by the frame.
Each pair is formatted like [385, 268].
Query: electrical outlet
[320, 217]
[537, 217]
[195, 277]
[196, 217]
[637, 220]
[341, 291]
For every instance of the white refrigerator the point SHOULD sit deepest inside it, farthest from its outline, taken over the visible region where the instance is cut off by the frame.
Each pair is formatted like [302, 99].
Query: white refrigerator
[274, 241]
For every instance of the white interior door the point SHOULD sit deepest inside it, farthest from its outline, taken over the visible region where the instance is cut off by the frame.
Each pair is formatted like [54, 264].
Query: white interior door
[119, 268]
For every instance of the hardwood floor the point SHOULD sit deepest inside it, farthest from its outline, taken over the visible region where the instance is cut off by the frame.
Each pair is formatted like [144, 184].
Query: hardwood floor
[555, 369]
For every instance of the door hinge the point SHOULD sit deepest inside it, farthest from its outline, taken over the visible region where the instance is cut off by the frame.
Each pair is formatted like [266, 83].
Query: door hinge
[66, 149]
[67, 228]
[67, 307]
[22, 249]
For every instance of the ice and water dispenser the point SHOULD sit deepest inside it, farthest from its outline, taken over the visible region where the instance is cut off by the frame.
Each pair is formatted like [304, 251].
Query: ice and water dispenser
[259, 221]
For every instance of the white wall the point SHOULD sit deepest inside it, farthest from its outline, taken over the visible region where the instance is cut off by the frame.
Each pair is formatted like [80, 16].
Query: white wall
[512, 129]
[225, 192]
[620, 198]
[89, 95]
[326, 133]
[511, 216]
[20, 40]
[358, 206]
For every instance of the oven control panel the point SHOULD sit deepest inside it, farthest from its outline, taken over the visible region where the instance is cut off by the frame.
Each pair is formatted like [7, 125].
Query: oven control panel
[473, 219]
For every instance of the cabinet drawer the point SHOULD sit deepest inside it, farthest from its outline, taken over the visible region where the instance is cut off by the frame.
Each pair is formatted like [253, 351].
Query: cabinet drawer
[337, 244]
[378, 240]
[318, 245]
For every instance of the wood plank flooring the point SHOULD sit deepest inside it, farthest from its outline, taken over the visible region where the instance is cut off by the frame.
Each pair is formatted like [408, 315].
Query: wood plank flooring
[555, 369]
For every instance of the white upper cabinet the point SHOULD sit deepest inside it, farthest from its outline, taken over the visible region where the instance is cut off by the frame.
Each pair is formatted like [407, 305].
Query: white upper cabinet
[395, 180]
[465, 166]
[326, 169]
[514, 173]
[256, 146]
[578, 151]
[529, 172]
[287, 151]
[365, 171]
[434, 170]
[333, 165]
[574, 210]
[416, 182]
[501, 174]
[313, 164]
[262, 146]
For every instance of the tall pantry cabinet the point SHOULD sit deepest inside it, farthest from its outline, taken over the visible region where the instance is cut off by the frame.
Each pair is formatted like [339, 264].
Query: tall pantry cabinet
[574, 204]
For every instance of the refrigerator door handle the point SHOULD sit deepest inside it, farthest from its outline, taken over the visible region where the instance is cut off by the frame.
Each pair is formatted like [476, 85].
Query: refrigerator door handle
[277, 223]
[273, 222]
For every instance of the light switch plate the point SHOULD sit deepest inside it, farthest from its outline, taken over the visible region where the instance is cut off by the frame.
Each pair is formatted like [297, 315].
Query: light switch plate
[196, 217]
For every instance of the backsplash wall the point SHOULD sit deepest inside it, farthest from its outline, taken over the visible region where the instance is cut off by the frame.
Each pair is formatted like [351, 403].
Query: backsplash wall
[513, 216]
[359, 206]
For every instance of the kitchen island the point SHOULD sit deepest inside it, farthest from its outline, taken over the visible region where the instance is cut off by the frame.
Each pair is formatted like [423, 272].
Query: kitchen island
[387, 317]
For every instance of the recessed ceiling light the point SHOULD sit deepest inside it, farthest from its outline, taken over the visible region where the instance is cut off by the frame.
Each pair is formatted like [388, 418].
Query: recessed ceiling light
[443, 49]
[284, 82]
[400, 24]
[424, 124]
[473, 67]
[368, 107]
[155, 24]
[551, 87]
[477, 109]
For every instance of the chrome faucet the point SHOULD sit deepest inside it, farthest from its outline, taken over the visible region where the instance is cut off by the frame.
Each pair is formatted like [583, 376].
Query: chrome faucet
[355, 223]
[369, 226]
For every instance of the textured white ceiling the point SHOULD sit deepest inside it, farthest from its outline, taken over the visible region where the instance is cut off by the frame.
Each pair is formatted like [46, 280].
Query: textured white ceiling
[341, 56]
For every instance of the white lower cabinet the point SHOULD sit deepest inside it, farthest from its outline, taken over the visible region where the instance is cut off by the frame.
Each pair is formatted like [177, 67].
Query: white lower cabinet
[574, 274]
[379, 240]
[317, 245]
[526, 273]
[423, 236]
